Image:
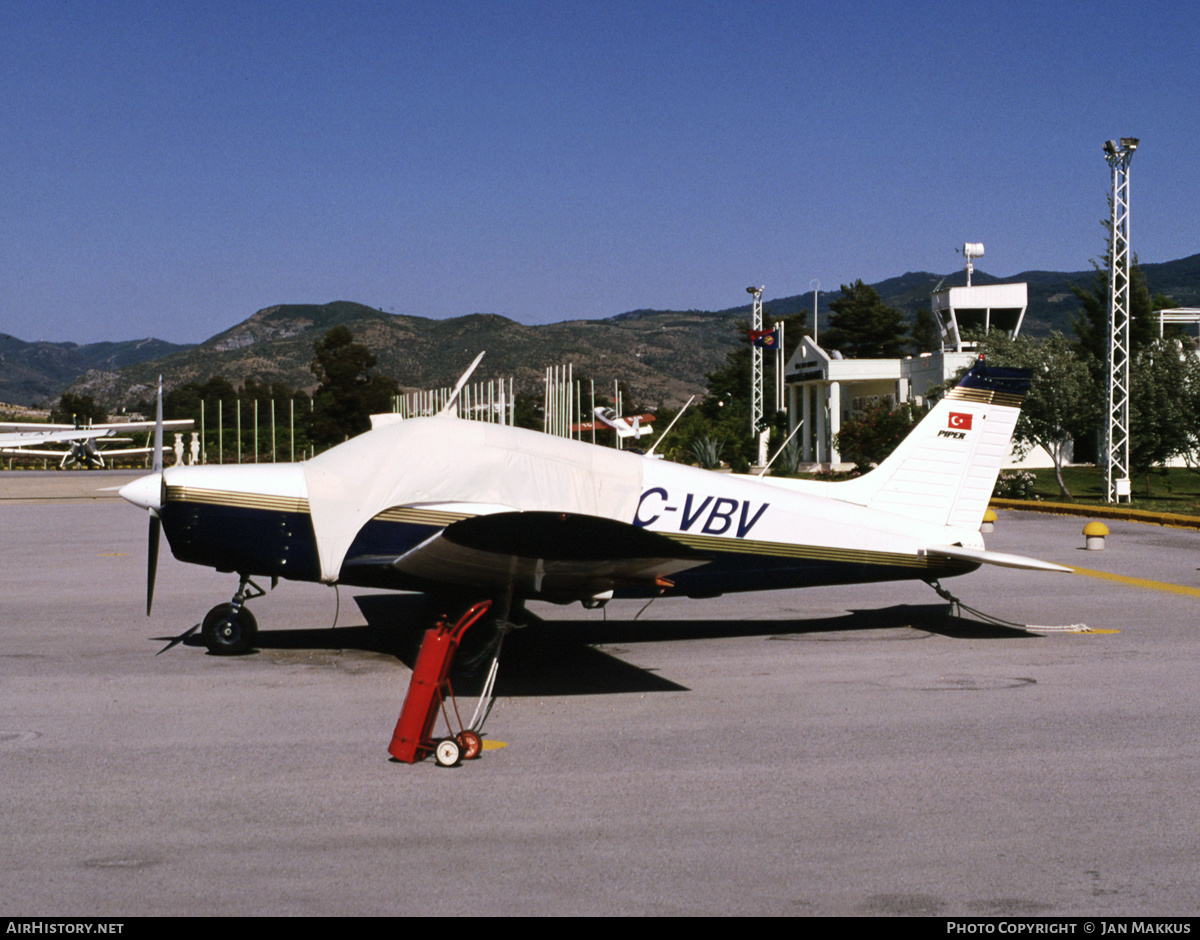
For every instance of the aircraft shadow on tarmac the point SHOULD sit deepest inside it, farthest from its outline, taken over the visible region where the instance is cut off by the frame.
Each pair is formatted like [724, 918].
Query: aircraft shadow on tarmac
[553, 657]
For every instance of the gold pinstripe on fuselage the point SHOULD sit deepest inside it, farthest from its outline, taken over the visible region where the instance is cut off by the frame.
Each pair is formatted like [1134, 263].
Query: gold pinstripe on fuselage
[439, 519]
[192, 494]
[813, 552]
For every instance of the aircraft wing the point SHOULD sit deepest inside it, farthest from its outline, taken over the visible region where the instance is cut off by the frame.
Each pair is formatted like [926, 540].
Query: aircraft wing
[125, 451]
[30, 427]
[14, 439]
[1004, 560]
[18, 437]
[175, 424]
[48, 433]
[14, 451]
[558, 555]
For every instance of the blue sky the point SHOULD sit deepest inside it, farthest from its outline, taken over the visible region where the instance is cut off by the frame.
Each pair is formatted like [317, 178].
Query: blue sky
[169, 168]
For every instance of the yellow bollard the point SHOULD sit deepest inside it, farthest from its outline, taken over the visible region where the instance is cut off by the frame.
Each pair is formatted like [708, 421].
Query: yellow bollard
[1094, 533]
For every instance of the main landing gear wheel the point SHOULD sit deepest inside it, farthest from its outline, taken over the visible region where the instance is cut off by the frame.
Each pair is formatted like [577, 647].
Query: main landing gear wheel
[447, 753]
[227, 633]
[471, 744]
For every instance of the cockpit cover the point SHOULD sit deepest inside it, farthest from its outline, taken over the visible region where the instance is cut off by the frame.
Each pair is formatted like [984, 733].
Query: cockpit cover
[448, 460]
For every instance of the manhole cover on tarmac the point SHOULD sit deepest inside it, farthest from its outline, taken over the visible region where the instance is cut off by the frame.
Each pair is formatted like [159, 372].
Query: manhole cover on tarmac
[18, 737]
[120, 861]
[958, 683]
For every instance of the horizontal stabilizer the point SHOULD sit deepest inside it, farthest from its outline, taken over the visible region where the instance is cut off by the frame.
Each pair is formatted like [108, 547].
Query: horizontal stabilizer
[983, 556]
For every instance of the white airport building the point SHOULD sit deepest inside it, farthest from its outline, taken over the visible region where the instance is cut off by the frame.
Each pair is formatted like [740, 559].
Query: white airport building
[825, 389]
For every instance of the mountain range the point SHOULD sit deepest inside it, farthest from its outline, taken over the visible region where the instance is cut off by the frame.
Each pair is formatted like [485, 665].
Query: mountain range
[661, 355]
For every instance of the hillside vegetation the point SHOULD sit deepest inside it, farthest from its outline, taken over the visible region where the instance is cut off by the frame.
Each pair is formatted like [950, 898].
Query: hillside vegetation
[663, 356]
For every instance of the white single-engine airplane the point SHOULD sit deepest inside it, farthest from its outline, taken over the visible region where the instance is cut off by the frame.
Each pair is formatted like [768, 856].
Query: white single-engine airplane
[626, 426]
[475, 510]
[25, 439]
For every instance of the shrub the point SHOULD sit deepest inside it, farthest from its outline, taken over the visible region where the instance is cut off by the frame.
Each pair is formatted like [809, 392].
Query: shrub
[1016, 485]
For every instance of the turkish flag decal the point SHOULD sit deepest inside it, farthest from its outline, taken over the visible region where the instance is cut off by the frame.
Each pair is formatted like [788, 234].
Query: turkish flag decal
[960, 421]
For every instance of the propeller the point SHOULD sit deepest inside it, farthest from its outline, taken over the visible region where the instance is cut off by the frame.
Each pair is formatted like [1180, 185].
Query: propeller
[152, 560]
[150, 493]
[155, 521]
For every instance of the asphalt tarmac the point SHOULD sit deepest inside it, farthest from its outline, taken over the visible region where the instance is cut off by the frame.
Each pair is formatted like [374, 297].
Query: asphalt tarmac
[850, 750]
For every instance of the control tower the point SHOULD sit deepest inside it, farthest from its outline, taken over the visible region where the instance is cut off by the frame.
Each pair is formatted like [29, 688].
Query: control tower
[978, 309]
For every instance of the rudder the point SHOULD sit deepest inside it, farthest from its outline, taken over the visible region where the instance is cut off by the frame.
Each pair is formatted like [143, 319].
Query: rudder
[945, 470]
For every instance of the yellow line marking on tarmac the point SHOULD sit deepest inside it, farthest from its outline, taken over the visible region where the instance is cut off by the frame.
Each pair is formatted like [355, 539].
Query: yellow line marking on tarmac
[490, 745]
[1140, 582]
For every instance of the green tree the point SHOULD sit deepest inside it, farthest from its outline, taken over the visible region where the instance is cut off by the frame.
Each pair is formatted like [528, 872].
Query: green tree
[1092, 327]
[723, 415]
[284, 401]
[216, 402]
[78, 408]
[1091, 320]
[348, 393]
[926, 334]
[1163, 399]
[1063, 400]
[862, 327]
[183, 401]
[528, 411]
[870, 437]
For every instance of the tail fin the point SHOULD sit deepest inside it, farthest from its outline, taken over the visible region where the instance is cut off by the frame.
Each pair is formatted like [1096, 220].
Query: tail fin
[946, 468]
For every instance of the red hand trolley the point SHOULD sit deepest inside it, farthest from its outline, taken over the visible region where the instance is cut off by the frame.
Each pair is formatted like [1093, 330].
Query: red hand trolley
[427, 694]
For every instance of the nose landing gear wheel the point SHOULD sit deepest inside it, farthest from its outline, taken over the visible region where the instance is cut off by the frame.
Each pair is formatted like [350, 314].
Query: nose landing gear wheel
[227, 633]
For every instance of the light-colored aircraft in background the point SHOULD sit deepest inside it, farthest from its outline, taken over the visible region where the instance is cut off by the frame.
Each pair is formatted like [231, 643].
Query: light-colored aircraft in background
[626, 426]
[18, 439]
[468, 510]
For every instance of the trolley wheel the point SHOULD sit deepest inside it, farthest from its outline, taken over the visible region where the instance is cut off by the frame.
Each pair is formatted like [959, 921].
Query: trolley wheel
[471, 744]
[447, 753]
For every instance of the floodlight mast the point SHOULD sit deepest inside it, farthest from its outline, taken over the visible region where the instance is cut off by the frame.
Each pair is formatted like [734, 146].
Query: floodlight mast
[756, 376]
[1116, 435]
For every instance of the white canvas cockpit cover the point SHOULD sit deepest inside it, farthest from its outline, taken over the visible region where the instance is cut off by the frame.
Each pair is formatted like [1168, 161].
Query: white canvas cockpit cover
[446, 460]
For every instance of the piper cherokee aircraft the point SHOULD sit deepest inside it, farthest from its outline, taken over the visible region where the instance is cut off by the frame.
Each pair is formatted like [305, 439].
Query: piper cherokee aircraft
[82, 450]
[473, 510]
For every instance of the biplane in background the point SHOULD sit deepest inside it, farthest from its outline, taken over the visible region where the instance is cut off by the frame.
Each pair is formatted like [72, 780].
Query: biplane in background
[82, 441]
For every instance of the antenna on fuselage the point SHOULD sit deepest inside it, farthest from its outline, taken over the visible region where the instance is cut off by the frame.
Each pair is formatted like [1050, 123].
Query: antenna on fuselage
[458, 386]
[650, 452]
[782, 447]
